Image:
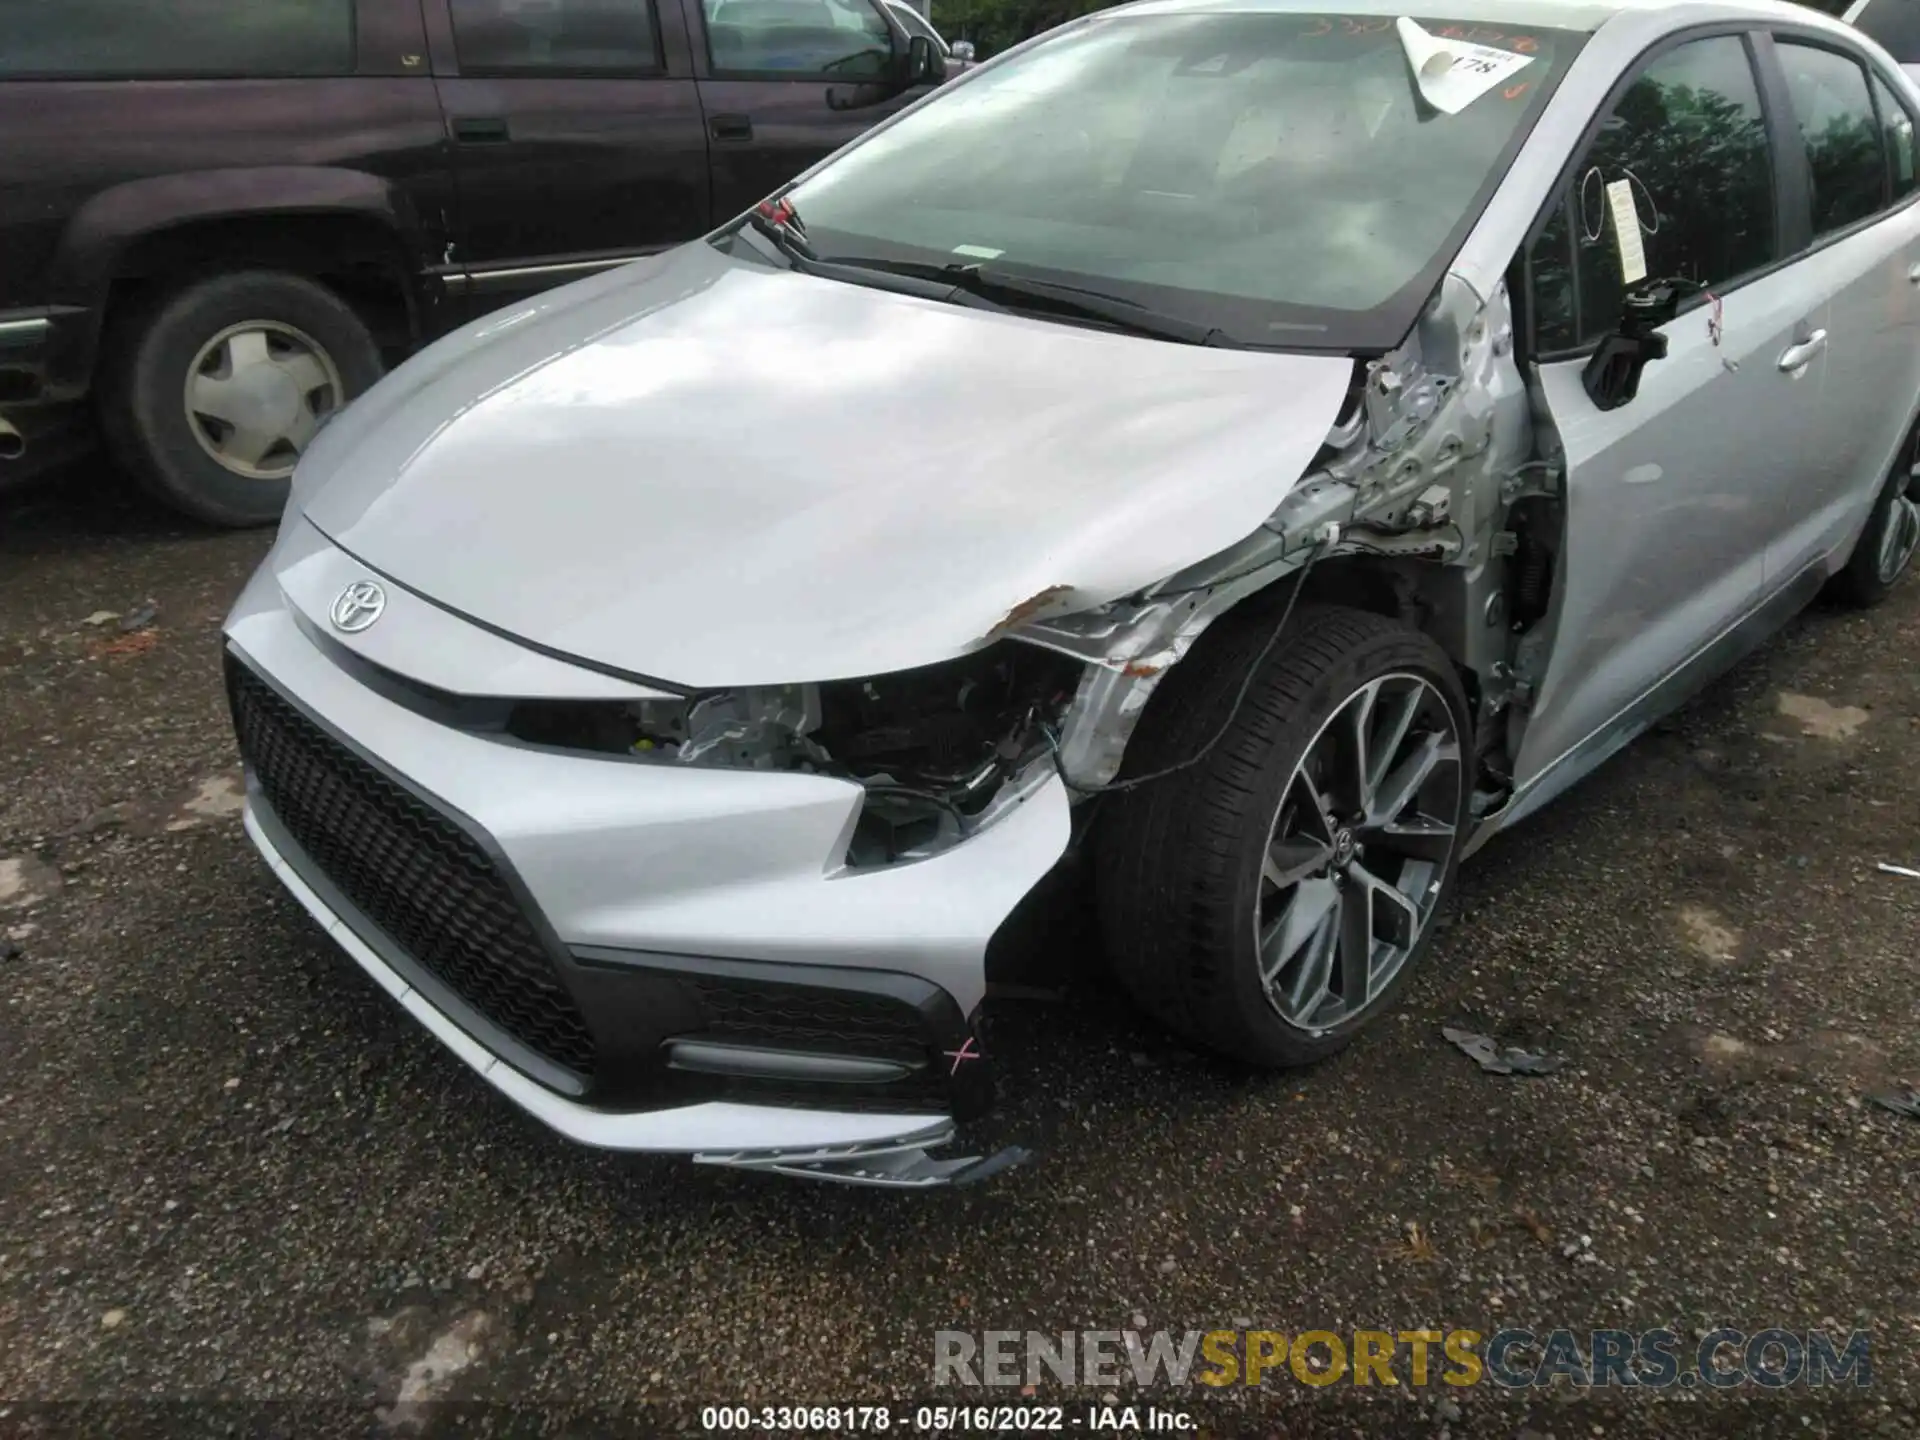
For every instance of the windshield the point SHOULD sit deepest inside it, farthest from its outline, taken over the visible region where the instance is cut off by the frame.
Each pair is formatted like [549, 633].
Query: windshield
[1277, 176]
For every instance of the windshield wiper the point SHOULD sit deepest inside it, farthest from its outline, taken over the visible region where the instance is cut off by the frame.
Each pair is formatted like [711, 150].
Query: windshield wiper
[777, 222]
[1051, 297]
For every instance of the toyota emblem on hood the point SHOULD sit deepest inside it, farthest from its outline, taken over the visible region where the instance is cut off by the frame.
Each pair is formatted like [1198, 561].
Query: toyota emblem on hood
[357, 606]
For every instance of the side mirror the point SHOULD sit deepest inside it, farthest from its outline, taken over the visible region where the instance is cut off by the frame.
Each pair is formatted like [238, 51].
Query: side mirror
[1612, 376]
[961, 50]
[925, 65]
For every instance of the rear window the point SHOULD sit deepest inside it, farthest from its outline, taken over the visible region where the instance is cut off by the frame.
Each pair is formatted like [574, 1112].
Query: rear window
[115, 39]
[1895, 26]
[528, 37]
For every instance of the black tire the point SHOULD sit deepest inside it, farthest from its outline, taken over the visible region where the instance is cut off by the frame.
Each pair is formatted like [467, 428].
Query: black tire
[1178, 861]
[1861, 583]
[143, 412]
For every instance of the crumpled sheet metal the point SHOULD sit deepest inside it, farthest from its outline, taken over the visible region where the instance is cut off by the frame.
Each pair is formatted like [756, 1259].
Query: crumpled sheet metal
[1502, 1060]
[1900, 1102]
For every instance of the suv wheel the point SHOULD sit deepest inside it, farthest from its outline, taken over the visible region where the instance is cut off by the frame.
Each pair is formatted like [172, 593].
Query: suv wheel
[215, 392]
[1269, 902]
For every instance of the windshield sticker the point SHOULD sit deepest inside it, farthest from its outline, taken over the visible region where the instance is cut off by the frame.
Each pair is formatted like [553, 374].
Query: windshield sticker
[1626, 231]
[978, 252]
[1453, 73]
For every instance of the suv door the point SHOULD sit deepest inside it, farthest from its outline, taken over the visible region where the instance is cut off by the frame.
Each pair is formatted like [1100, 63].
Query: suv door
[786, 82]
[1855, 148]
[1672, 497]
[577, 138]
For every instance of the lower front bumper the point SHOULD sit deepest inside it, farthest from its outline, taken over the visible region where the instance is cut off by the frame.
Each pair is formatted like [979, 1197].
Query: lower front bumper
[753, 1136]
[643, 957]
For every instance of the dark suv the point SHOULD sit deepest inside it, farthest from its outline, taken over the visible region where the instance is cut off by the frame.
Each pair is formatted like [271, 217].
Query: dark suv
[220, 219]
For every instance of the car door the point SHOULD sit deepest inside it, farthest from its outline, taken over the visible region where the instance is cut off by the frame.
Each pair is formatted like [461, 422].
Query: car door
[786, 82]
[1894, 25]
[577, 138]
[1672, 497]
[1856, 150]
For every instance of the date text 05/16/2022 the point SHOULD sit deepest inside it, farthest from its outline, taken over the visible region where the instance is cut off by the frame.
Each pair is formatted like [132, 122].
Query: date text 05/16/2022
[947, 1419]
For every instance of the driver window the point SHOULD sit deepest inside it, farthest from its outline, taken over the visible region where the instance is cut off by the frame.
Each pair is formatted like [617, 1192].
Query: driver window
[844, 39]
[1689, 139]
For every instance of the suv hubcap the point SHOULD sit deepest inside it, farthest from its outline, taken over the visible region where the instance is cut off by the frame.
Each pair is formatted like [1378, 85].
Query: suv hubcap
[1358, 851]
[255, 395]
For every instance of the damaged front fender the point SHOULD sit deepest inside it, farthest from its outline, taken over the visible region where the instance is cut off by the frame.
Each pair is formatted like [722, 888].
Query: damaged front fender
[1130, 646]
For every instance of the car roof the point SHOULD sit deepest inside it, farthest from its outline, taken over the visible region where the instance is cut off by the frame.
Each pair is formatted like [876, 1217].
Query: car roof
[1585, 15]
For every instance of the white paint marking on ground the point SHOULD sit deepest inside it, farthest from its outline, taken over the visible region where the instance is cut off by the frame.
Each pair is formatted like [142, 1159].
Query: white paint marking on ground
[218, 797]
[453, 1350]
[1723, 1047]
[1709, 934]
[1821, 718]
[25, 881]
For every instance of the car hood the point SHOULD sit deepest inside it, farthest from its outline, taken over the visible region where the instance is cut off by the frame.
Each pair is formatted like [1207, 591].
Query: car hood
[715, 473]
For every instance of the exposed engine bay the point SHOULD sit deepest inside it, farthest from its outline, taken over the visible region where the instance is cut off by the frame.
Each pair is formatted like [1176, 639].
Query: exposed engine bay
[1427, 501]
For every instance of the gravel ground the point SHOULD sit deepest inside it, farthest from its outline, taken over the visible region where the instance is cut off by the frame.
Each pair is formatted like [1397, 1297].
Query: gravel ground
[238, 1179]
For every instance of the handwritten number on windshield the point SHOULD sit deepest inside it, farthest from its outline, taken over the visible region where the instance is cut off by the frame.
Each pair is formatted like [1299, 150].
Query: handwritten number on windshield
[1353, 25]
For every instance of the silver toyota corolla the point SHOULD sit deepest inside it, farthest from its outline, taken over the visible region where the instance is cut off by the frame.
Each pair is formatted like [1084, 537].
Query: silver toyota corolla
[1277, 448]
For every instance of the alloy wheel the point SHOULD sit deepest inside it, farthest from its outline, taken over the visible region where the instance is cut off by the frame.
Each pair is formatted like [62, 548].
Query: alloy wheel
[1900, 536]
[1360, 846]
[256, 394]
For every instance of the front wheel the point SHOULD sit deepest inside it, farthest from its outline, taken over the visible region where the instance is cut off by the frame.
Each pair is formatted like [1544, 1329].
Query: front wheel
[1270, 901]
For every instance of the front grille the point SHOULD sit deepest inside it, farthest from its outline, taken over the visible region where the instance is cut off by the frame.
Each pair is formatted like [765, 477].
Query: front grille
[840, 1022]
[412, 871]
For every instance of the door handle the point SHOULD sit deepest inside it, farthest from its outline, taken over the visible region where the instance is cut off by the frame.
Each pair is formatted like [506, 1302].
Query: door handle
[481, 129]
[1796, 356]
[730, 128]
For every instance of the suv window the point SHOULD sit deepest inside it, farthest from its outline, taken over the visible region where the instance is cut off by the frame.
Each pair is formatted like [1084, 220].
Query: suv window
[522, 37]
[916, 24]
[1840, 131]
[844, 38]
[1893, 24]
[1896, 131]
[1689, 139]
[59, 39]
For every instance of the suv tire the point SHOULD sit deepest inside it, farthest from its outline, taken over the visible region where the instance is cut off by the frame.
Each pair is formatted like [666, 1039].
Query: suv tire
[1230, 903]
[276, 353]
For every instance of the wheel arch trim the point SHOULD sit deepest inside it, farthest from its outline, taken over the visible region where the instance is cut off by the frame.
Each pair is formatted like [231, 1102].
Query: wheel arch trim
[105, 230]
